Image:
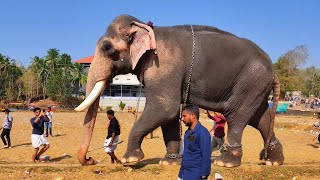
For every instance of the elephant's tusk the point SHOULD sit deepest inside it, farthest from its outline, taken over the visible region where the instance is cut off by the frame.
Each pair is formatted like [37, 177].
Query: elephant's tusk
[94, 94]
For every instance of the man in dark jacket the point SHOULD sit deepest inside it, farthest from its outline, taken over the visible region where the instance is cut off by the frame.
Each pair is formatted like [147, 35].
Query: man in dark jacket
[196, 158]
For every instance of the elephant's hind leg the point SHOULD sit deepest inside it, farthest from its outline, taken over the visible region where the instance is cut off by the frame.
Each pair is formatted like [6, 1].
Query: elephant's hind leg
[274, 154]
[231, 157]
[171, 135]
[248, 94]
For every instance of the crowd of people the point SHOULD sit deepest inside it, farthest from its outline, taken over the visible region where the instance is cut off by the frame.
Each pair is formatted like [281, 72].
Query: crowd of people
[39, 122]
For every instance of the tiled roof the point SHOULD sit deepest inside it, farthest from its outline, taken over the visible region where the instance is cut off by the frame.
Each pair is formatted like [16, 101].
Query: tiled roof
[86, 60]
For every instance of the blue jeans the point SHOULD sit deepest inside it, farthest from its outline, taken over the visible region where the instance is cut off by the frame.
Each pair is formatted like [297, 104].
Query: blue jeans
[48, 126]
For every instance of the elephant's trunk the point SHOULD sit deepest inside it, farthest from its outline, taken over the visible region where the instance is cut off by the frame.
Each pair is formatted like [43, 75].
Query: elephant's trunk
[99, 76]
[89, 122]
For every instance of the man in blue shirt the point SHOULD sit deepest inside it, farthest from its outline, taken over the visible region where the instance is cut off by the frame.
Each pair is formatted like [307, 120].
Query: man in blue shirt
[196, 158]
[37, 137]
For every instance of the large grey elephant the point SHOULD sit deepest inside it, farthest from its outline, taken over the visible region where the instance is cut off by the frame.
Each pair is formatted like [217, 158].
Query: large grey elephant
[230, 75]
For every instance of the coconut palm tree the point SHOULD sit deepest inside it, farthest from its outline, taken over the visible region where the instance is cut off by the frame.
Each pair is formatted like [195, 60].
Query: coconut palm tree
[79, 76]
[52, 59]
[40, 67]
[9, 73]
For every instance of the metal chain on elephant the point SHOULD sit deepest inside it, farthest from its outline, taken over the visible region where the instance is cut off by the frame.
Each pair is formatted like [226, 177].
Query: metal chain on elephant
[189, 78]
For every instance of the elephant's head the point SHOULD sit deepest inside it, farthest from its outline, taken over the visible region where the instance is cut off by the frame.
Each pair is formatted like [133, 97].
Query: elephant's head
[117, 52]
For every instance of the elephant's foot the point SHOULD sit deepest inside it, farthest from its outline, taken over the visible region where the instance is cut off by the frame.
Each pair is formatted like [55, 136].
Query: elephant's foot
[132, 156]
[230, 158]
[88, 162]
[274, 154]
[170, 160]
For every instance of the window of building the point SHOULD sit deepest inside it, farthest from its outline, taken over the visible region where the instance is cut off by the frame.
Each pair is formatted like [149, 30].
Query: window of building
[124, 91]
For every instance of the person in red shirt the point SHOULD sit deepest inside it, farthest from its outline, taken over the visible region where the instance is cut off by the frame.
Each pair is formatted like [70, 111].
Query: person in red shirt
[217, 139]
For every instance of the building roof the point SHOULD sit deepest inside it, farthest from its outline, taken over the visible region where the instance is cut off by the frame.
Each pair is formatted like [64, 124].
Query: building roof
[86, 60]
[126, 79]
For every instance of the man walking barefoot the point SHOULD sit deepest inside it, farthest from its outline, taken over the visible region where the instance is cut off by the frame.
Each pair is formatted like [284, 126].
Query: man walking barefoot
[112, 137]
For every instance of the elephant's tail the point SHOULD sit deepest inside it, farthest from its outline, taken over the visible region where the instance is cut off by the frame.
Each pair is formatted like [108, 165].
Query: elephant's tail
[276, 95]
[275, 101]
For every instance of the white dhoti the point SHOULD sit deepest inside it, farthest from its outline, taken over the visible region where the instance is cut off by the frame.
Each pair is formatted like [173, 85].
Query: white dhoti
[38, 140]
[109, 149]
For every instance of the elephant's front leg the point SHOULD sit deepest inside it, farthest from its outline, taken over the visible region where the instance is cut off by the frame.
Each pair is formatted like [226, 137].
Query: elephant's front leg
[153, 116]
[171, 135]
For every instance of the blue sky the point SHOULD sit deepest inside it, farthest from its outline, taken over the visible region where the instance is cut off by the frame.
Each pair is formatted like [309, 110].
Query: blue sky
[29, 28]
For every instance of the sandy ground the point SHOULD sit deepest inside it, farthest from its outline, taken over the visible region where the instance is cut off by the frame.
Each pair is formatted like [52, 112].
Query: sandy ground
[302, 153]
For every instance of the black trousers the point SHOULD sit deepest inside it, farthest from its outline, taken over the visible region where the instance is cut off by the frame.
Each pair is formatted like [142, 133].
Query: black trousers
[6, 132]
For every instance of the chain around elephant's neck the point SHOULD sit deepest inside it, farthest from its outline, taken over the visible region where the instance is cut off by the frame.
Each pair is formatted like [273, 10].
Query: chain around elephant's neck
[189, 78]
[191, 66]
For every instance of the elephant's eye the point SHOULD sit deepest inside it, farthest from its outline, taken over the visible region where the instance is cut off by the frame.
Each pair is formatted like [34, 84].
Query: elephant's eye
[107, 47]
[131, 38]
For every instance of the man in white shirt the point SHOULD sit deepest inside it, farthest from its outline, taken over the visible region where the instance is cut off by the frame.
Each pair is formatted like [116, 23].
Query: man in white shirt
[6, 128]
[49, 114]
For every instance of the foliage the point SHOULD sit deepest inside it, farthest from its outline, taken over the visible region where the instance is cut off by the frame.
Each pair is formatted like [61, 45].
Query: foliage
[10, 72]
[53, 75]
[287, 69]
[122, 105]
[312, 81]
[56, 74]
[109, 108]
[79, 76]
[70, 102]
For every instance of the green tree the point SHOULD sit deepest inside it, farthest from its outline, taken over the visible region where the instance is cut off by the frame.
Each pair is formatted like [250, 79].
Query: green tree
[53, 75]
[41, 69]
[52, 59]
[79, 76]
[65, 65]
[9, 73]
[287, 69]
[312, 82]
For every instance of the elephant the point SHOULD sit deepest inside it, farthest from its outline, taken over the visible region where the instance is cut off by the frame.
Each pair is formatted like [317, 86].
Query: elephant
[229, 74]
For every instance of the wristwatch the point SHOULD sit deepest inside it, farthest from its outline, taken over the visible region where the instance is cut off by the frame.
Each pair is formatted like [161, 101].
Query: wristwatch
[204, 177]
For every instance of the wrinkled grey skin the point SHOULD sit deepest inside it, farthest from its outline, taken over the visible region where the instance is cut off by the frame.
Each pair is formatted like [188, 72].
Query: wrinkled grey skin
[231, 75]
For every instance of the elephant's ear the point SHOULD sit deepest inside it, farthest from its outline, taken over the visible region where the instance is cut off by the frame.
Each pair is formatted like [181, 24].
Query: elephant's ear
[143, 39]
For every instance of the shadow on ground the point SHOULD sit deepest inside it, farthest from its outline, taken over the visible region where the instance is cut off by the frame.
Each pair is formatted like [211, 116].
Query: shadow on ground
[143, 163]
[58, 135]
[313, 145]
[23, 144]
[57, 159]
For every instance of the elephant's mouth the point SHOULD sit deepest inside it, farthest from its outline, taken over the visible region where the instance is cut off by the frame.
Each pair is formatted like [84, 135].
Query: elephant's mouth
[94, 94]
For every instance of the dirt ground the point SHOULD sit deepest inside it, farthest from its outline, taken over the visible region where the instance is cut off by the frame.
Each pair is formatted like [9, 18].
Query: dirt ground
[302, 153]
